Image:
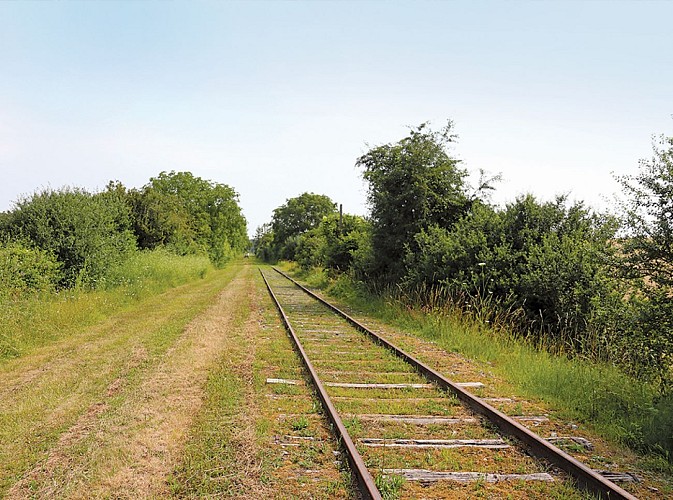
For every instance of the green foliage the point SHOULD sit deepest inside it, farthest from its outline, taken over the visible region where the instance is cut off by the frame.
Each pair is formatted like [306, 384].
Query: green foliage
[189, 215]
[647, 263]
[26, 270]
[648, 218]
[642, 340]
[343, 237]
[389, 486]
[86, 233]
[555, 272]
[413, 184]
[547, 260]
[310, 250]
[262, 243]
[333, 243]
[294, 218]
[159, 269]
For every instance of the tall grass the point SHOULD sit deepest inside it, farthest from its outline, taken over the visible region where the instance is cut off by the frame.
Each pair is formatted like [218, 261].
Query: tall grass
[31, 320]
[598, 394]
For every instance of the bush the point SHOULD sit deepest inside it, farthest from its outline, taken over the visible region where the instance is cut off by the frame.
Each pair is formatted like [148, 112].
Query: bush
[333, 243]
[544, 259]
[86, 233]
[25, 270]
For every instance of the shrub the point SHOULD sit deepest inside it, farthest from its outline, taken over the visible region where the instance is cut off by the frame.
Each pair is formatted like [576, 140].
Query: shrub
[333, 243]
[86, 233]
[24, 270]
[412, 184]
[545, 259]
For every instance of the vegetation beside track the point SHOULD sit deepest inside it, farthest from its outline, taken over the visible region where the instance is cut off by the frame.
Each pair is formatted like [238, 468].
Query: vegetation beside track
[601, 397]
[36, 319]
[63, 402]
[557, 275]
[69, 257]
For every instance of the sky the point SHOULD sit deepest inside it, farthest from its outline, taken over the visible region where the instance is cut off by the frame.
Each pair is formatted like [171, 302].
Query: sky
[280, 98]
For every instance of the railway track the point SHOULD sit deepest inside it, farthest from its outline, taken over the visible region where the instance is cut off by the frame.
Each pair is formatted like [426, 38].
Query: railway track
[396, 417]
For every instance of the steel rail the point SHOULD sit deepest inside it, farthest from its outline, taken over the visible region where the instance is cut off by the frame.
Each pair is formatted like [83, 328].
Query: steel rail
[585, 477]
[365, 481]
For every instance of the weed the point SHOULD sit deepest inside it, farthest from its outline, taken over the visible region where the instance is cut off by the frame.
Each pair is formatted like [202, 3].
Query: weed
[353, 426]
[308, 457]
[479, 484]
[300, 423]
[389, 485]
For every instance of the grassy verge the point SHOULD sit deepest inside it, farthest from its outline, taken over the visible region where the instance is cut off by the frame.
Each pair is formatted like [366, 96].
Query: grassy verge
[614, 405]
[33, 321]
[54, 395]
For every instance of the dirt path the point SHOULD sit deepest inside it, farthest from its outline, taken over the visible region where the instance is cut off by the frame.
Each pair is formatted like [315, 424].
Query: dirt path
[142, 392]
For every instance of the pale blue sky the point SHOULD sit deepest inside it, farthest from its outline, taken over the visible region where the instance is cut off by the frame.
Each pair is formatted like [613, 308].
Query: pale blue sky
[278, 98]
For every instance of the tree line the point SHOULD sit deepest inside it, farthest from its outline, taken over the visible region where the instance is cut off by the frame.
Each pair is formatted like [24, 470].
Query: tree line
[565, 276]
[70, 237]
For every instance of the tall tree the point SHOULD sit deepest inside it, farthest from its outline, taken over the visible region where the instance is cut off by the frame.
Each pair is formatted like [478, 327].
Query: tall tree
[189, 215]
[648, 261]
[648, 216]
[413, 184]
[262, 242]
[295, 217]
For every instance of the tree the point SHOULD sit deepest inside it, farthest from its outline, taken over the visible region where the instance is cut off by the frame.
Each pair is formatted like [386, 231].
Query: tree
[647, 262]
[189, 215]
[648, 217]
[295, 217]
[413, 184]
[262, 243]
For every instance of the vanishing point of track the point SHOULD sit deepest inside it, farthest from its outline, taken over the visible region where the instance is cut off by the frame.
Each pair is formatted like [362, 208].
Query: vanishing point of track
[342, 354]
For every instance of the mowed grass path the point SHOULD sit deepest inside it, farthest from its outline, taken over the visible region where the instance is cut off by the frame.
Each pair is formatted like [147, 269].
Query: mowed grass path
[106, 411]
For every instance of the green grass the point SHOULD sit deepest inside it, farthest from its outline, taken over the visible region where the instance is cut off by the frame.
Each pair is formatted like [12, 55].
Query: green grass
[35, 320]
[209, 458]
[213, 447]
[66, 377]
[615, 405]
